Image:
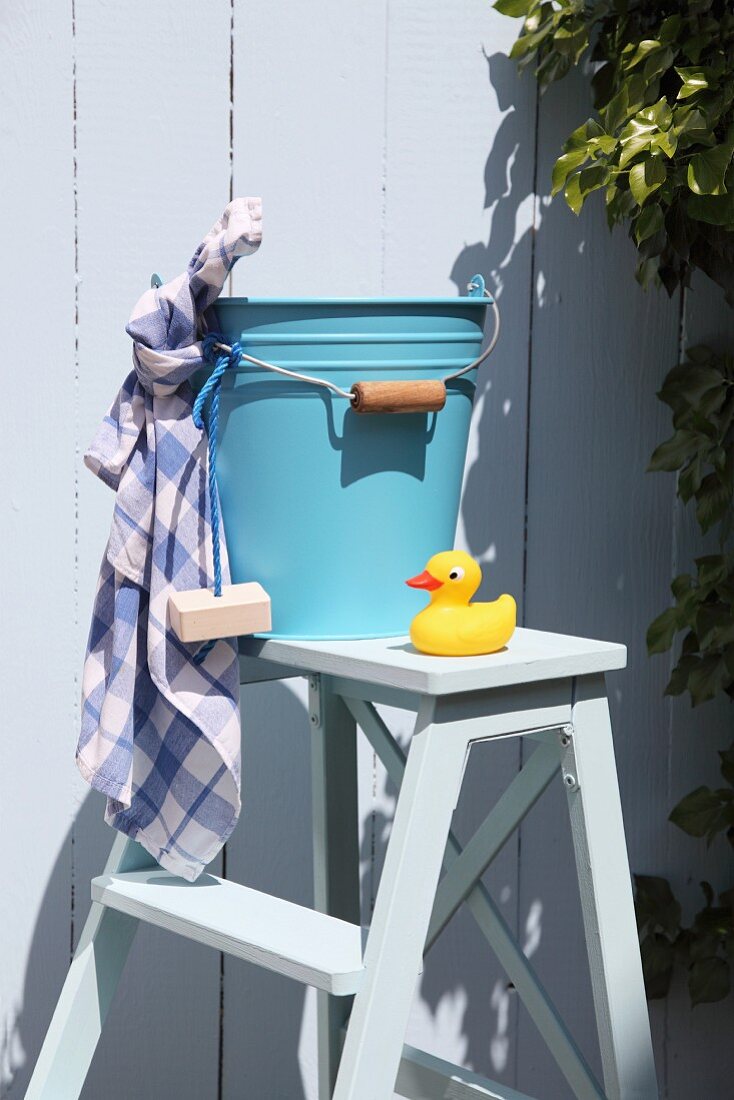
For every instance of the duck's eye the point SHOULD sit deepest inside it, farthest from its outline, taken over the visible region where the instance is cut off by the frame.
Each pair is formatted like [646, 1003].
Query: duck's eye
[456, 574]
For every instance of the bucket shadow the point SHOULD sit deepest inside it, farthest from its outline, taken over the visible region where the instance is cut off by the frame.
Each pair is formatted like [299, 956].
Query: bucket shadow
[390, 442]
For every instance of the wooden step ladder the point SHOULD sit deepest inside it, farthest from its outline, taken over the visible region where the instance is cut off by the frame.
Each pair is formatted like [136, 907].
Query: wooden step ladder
[545, 687]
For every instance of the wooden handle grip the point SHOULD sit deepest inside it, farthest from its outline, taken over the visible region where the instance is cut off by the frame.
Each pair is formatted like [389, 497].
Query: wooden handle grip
[424, 395]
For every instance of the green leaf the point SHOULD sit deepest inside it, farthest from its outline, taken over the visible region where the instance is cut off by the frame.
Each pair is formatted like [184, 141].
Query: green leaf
[657, 63]
[712, 569]
[690, 381]
[712, 209]
[583, 134]
[644, 49]
[592, 178]
[666, 141]
[706, 170]
[670, 29]
[646, 177]
[689, 480]
[573, 195]
[671, 454]
[631, 146]
[680, 229]
[662, 630]
[681, 585]
[553, 67]
[690, 120]
[615, 113]
[646, 271]
[605, 144]
[698, 813]
[636, 137]
[707, 679]
[694, 80]
[514, 8]
[527, 43]
[678, 682]
[571, 41]
[659, 114]
[649, 222]
[708, 980]
[713, 501]
[714, 621]
[658, 957]
[564, 166]
[655, 904]
[727, 765]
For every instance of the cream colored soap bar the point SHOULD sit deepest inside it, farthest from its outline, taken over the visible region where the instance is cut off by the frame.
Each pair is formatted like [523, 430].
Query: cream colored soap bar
[198, 615]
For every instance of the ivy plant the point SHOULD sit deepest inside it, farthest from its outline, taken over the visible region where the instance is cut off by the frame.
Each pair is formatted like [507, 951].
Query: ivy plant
[660, 148]
[705, 949]
[660, 145]
[700, 394]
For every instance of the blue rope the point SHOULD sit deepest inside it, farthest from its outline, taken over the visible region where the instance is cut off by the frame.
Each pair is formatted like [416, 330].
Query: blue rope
[211, 389]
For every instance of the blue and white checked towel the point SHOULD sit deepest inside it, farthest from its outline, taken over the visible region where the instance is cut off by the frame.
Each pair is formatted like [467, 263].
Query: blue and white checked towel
[160, 735]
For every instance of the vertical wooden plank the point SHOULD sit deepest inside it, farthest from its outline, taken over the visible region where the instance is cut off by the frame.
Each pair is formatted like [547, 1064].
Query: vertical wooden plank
[37, 513]
[599, 542]
[264, 1014]
[459, 199]
[699, 1054]
[308, 136]
[336, 857]
[153, 174]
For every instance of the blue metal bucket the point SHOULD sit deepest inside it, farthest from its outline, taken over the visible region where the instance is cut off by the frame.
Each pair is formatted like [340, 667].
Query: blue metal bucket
[328, 509]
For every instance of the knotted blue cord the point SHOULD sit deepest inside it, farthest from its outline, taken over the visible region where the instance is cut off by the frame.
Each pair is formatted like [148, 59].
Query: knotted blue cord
[211, 388]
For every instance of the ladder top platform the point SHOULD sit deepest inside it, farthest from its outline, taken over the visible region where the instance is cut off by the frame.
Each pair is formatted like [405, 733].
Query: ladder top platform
[290, 939]
[531, 655]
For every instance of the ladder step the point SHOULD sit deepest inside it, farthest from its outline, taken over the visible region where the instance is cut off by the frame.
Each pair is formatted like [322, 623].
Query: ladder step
[290, 939]
[422, 1076]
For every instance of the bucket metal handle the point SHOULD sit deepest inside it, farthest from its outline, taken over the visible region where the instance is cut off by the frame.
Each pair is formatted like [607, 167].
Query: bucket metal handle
[396, 397]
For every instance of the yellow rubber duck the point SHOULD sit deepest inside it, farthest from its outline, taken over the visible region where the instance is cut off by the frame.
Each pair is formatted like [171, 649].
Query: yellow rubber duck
[451, 626]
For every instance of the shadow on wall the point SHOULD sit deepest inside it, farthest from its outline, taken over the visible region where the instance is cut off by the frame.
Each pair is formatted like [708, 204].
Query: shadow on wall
[166, 1008]
[24, 1035]
[494, 487]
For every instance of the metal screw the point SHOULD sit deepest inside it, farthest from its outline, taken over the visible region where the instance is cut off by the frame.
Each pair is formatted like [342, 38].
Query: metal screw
[313, 718]
[565, 739]
[569, 780]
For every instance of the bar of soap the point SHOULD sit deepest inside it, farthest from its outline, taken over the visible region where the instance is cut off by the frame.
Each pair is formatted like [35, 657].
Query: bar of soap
[198, 615]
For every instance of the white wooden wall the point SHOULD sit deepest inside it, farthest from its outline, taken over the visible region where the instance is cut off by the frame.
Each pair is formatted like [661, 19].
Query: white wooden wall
[397, 152]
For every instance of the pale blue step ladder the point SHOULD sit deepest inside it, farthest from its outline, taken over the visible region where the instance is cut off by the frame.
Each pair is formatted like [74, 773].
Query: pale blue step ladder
[547, 688]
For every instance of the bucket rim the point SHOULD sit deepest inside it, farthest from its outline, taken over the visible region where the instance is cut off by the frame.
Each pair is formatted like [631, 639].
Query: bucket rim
[463, 300]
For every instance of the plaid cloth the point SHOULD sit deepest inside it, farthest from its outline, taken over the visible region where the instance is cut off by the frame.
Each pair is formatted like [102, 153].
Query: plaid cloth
[160, 735]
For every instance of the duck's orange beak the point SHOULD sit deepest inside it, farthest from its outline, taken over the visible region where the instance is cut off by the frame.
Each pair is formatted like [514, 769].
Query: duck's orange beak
[424, 580]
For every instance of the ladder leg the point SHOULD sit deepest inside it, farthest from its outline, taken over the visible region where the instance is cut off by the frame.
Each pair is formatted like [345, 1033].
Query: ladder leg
[87, 993]
[428, 795]
[336, 850]
[590, 777]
